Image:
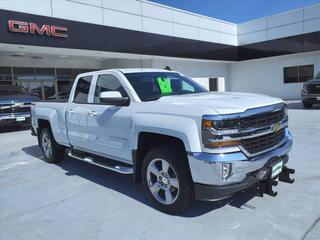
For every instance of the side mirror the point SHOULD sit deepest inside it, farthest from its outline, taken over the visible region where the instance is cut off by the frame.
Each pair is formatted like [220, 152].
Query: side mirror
[113, 98]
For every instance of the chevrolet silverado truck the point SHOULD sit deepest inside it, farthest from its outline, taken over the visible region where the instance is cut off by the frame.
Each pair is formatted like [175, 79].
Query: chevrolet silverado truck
[183, 142]
[15, 103]
[310, 93]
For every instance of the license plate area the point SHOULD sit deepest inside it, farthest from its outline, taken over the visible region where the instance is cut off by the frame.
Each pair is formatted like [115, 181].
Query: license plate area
[276, 169]
[318, 98]
[20, 119]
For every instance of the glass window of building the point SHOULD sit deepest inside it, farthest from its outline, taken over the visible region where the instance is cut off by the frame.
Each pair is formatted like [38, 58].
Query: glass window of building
[47, 78]
[5, 76]
[23, 74]
[33, 88]
[67, 74]
[306, 73]
[65, 78]
[297, 74]
[44, 74]
[291, 74]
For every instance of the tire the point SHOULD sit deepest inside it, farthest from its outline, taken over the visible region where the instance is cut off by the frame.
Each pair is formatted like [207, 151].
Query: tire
[51, 150]
[307, 104]
[170, 191]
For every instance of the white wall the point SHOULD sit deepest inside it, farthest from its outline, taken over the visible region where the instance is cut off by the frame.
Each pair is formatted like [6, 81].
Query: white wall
[266, 75]
[202, 81]
[281, 25]
[140, 15]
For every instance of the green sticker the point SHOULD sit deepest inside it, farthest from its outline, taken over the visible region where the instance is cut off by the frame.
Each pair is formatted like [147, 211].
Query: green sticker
[165, 86]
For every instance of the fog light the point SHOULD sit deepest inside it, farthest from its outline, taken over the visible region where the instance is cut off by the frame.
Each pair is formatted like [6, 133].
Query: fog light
[226, 170]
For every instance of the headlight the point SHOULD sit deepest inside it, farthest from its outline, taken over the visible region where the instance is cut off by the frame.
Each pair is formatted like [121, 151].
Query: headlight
[213, 130]
[220, 124]
[305, 87]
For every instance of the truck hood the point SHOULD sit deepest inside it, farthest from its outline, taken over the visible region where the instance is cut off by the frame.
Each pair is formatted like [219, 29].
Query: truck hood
[8, 99]
[222, 102]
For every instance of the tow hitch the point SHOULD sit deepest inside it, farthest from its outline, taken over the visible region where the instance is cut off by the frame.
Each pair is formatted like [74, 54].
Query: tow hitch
[266, 185]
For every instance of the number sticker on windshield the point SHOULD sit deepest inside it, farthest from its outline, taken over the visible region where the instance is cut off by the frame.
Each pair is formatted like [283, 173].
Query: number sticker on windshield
[165, 85]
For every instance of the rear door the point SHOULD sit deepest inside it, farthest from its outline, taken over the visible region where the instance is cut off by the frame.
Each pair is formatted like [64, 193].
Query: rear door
[109, 126]
[77, 113]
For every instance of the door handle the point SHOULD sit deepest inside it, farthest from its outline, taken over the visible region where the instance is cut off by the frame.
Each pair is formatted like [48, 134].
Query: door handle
[71, 111]
[92, 113]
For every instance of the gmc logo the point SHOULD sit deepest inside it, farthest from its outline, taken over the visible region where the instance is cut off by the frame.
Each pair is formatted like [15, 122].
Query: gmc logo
[33, 28]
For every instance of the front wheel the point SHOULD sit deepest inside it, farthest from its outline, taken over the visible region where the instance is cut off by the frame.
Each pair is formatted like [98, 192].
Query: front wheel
[52, 151]
[166, 179]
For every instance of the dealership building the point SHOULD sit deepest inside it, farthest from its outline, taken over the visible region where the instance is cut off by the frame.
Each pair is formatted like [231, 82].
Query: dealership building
[45, 44]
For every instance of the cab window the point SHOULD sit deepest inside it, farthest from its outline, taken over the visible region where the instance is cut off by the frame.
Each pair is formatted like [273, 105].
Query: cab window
[105, 83]
[82, 90]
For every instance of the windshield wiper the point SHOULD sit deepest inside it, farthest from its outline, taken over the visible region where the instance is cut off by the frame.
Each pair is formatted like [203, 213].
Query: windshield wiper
[153, 98]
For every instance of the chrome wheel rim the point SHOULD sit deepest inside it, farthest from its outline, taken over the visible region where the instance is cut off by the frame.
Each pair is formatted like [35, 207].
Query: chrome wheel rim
[162, 181]
[46, 145]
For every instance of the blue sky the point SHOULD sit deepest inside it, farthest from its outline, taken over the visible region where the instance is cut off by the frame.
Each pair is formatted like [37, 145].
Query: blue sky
[237, 11]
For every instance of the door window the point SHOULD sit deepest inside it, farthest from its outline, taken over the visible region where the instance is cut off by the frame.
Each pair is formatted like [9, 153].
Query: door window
[82, 90]
[108, 82]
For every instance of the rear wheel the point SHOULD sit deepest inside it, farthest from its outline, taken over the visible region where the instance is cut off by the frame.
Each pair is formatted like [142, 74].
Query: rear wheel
[52, 151]
[307, 104]
[167, 180]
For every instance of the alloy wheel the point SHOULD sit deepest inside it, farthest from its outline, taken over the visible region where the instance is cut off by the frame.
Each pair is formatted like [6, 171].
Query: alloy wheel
[163, 182]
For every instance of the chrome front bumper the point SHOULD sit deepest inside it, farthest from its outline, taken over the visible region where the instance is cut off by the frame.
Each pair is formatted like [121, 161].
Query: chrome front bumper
[206, 168]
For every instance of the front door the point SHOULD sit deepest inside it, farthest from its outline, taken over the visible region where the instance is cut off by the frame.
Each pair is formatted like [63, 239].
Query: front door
[109, 127]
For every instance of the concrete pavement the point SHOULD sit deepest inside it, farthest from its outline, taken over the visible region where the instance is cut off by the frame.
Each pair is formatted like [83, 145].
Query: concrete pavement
[74, 200]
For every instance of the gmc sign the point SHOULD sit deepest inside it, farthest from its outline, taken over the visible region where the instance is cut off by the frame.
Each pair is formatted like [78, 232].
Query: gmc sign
[33, 28]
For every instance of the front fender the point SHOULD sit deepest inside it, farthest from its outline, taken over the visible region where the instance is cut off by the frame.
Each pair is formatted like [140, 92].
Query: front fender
[184, 128]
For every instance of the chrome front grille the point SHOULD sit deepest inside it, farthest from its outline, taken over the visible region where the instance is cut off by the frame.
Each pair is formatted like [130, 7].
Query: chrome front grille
[313, 88]
[13, 108]
[262, 143]
[256, 130]
[262, 119]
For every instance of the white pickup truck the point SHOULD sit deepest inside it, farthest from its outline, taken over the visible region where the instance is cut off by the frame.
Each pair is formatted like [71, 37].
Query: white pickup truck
[180, 140]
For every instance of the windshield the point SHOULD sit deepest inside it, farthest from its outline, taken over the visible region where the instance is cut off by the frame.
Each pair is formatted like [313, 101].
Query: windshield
[153, 85]
[318, 76]
[12, 90]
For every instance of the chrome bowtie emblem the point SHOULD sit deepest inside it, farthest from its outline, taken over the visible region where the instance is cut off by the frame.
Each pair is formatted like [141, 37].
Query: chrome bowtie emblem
[18, 104]
[275, 127]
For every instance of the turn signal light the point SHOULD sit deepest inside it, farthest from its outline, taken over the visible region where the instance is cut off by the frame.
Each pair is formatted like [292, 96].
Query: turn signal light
[207, 123]
[224, 144]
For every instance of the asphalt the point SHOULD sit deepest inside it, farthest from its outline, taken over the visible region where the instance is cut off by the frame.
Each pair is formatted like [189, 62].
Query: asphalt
[74, 200]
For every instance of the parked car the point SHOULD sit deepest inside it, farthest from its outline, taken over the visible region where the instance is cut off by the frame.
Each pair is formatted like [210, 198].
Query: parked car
[310, 93]
[182, 141]
[15, 103]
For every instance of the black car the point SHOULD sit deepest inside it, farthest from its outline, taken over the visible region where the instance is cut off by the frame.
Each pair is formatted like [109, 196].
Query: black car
[310, 93]
[15, 103]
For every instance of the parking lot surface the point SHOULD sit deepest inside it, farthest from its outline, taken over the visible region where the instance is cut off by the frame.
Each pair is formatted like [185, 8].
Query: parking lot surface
[75, 200]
